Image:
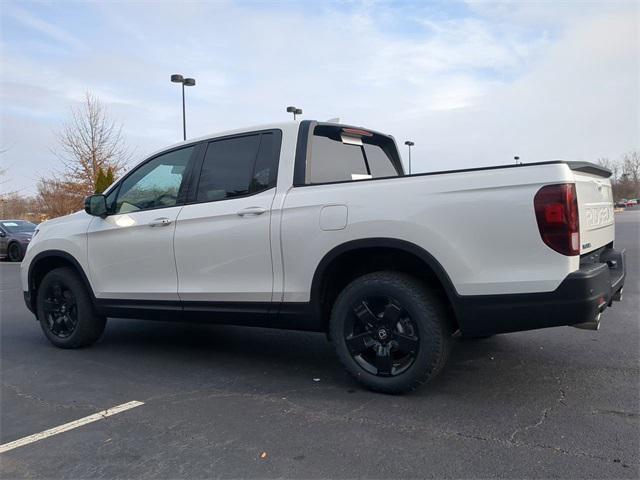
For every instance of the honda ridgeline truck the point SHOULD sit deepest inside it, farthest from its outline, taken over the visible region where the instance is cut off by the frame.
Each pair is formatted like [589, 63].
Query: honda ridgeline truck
[315, 226]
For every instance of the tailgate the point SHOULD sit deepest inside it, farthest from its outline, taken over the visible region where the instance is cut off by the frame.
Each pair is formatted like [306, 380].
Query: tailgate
[595, 207]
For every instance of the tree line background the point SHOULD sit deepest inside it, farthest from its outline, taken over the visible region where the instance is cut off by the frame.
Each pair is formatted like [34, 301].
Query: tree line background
[92, 154]
[625, 178]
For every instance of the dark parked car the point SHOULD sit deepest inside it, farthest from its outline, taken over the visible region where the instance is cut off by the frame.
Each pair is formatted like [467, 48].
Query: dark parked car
[15, 235]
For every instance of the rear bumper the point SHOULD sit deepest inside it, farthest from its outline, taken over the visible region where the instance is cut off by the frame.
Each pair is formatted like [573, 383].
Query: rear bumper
[580, 298]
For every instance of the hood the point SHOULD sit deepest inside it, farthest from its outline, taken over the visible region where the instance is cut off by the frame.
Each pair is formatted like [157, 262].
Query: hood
[57, 220]
[25, 235]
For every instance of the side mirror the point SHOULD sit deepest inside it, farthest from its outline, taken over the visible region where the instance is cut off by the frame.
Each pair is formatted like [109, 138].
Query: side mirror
[96, 205]
[2, 234]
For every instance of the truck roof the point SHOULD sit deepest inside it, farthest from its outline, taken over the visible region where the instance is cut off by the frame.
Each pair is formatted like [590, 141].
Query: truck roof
[284, 126]
[290, 125]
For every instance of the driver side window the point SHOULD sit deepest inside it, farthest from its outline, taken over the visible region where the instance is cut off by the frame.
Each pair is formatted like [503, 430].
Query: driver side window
[155, 184]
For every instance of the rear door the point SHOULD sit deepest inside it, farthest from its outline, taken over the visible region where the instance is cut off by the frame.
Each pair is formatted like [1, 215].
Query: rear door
[595, 207]
[222, 239]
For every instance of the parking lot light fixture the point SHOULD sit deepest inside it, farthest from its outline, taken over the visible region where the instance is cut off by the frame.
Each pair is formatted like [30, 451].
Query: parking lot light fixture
[188, 82]
[409, 144]
[296, 111]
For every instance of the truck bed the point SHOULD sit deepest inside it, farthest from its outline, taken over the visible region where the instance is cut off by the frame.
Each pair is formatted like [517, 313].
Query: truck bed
[478, 223]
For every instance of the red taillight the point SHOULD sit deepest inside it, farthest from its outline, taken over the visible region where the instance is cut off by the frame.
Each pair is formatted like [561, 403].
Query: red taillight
[557, 214]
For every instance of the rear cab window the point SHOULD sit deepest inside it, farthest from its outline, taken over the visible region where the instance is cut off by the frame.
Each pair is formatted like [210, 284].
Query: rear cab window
[344, 154]
[239, 166]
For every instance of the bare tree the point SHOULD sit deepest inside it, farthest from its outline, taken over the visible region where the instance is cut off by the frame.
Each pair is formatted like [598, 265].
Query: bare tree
[608, 164]
[3, 180]
[630, 177]
[631, 165]
[90, 142]
[3, 174]
[14, 205]
[625, 177]
[56, 198]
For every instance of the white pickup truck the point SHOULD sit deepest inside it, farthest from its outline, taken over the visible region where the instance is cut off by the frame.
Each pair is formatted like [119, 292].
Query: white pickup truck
[315, 226]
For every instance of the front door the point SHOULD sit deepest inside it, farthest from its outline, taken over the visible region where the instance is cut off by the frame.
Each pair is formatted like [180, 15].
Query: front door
[131, 253]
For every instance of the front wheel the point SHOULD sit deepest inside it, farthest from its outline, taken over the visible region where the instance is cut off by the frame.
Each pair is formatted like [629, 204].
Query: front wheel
[65, 310]
[390, 331]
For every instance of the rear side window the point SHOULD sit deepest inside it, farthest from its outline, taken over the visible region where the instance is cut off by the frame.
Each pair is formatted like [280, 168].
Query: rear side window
[340, 154]
[239, 166]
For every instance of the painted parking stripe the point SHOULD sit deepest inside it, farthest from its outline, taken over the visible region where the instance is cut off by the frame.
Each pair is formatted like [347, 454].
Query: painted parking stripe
[69, 426]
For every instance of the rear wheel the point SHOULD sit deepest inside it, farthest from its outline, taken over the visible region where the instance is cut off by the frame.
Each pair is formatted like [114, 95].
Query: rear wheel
[390, 332]
[65, 310]
[14, 253]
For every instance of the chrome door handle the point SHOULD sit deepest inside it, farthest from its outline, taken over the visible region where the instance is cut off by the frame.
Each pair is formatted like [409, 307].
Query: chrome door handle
[160, 222]
[252, 211]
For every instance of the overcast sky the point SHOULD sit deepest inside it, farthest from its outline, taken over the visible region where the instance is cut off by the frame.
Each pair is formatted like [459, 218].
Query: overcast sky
[471, 83]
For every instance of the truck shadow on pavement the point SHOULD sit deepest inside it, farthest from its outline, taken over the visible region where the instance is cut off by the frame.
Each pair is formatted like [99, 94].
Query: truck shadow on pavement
[291, 356]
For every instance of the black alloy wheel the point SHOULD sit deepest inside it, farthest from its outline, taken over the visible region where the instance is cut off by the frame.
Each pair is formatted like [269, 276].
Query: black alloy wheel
[60, 310]
[380, 336]
[66, 311]
[391, 331]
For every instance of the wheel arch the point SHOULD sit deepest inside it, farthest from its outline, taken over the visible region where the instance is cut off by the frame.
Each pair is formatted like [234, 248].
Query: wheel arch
[48, 260]
[347, 261]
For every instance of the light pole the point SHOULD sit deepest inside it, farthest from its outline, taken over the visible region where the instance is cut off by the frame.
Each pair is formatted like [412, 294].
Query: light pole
[295, 111]
[516, 158]
[188, 82]
[409, 144]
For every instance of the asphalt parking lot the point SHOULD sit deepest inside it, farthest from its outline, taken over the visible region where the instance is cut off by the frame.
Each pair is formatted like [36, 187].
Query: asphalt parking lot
[256, 403]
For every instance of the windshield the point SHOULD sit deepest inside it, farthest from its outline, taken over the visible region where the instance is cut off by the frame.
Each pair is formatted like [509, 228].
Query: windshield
[18, 226]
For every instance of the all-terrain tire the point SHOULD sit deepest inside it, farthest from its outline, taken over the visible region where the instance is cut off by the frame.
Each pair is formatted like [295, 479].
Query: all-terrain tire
[77, 324]
[419, 304]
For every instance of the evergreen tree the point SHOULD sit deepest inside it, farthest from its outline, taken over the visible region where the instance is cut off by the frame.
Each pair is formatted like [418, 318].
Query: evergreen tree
[109, 177]
[102, 180]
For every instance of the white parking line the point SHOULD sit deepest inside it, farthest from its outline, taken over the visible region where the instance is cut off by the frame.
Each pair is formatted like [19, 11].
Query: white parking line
[68, 426]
